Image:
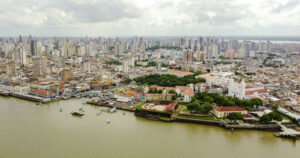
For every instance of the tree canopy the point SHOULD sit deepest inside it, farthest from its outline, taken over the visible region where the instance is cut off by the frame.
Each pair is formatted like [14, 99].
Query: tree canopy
[267, 118]
[235, 116]
[198, 108]
[227, 100]
[167, 80]
[113, 62]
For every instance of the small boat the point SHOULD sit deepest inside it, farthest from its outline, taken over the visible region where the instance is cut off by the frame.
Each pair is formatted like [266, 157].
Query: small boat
[60, 110]
[107, 110]
[123, 113]
[108, 121]
[98, 112]
[77, 113]
[80, 109]
[114, 109]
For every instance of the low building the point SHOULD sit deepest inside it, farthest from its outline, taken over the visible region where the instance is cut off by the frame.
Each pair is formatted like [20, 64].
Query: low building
[158, 97]
[224, 111]
[186, 92]
[124, 98]
[42, 93]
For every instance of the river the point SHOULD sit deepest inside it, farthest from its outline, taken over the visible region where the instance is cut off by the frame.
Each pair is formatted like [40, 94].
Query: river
[28, 130]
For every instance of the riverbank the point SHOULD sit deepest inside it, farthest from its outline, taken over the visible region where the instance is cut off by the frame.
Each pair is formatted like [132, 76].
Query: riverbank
[208, 121]
[165, 117]
[30, 130]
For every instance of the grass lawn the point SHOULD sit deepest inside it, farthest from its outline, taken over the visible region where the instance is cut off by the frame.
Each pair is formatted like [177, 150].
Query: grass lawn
[139, 107]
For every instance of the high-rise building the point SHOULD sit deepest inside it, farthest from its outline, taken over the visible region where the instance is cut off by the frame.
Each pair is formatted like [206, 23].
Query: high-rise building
[201, 41]
[24, 58]
[125, 66]
[33, 48]
[200, 56]
[11, 69]
[86, 66]
[188, 56]
[39, 66]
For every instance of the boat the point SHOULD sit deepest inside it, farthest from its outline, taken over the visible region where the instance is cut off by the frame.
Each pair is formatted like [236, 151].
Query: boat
[107, 110]
[114, 109]
[85, 101]
[60, 110]
[108, 121]
[80, 109]
[77, 113]
[98, 112]
[123, 113]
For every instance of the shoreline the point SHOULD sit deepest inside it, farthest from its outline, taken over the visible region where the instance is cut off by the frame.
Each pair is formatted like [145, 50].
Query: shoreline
[139, 113]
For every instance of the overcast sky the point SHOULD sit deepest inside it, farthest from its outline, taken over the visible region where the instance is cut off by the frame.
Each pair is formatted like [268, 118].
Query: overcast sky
[149, 17]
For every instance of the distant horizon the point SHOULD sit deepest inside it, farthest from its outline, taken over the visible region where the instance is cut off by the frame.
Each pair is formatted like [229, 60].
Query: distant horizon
[242, 37]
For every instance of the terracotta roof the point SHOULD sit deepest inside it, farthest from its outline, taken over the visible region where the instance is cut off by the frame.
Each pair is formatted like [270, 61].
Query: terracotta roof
[188, 92]
[258, 91]
[42, 92]
[182, 87]
[162, 88]
[230, 108]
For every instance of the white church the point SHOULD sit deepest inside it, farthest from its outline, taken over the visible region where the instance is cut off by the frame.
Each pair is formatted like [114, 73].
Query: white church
[243, 90]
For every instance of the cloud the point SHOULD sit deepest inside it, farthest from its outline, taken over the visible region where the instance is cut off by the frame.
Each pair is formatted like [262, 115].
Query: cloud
[57, 12]
[289, 5]
[144, 17]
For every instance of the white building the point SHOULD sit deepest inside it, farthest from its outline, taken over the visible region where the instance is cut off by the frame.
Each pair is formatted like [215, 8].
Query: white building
[186, 92]
[125, 67]
[15, 89]
[224, 111]
[217, 78]
[245, 91]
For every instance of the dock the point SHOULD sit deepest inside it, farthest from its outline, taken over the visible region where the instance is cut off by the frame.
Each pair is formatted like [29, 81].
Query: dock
[288, 132]
[117, 106]
[26, 97]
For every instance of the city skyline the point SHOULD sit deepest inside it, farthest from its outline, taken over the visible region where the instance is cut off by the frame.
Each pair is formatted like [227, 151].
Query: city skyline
[150, 18]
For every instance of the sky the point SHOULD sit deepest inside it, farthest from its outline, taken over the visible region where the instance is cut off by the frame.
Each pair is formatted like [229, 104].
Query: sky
[150, 17]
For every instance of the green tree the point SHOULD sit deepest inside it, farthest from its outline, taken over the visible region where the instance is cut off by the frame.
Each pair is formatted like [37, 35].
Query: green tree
[208, 99]
[228, 102]
[205, 108]
[235, 116]
[172, 92]
[256, 101]
[267, 118]
[127, 80]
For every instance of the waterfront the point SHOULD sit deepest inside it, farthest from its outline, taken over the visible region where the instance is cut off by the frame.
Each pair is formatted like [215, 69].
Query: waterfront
[30, 130]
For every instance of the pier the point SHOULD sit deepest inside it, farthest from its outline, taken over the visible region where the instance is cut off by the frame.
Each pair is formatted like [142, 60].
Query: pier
[118, 106]
[288, 132]
[26, 97]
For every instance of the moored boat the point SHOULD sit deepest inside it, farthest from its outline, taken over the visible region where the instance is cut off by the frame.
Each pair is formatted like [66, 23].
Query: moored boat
[77, 113]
